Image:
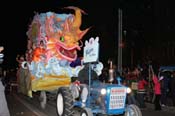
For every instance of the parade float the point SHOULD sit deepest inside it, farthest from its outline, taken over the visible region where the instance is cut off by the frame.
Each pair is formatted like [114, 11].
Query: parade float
[53, 41]
[52, 45]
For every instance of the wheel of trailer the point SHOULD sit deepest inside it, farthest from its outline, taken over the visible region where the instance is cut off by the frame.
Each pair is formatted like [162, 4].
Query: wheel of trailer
[64, 102]
[132, 110]
[43, 99]
[86, 112]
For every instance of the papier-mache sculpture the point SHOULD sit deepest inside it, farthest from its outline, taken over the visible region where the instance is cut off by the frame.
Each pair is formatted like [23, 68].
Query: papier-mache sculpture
[53, 41]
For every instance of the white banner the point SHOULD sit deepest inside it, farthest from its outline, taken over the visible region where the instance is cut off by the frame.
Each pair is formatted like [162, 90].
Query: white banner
[91, 50]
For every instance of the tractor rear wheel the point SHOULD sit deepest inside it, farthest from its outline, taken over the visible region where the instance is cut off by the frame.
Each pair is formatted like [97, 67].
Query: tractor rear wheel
[64, 102]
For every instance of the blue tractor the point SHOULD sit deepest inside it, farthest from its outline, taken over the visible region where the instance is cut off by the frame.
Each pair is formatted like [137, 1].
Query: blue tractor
[103, 99]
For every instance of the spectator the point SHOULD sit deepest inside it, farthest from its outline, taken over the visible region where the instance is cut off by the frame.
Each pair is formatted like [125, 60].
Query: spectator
[164, 86]
[118, 78]
[157, 91]
[4, 111]
[131, 96]
[141, 91]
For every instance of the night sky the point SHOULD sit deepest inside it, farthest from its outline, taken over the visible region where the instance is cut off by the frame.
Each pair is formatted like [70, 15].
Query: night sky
[143, 22]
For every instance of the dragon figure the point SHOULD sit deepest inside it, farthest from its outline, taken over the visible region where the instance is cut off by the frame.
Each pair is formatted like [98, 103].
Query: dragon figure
[60, 32]
[53, 41]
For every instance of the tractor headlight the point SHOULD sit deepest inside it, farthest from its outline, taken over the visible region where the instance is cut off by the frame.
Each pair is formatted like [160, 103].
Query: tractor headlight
[103, 91]
[128, 90]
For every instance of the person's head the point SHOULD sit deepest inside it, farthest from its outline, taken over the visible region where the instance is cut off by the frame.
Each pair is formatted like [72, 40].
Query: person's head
[1, 48]
[136, 71]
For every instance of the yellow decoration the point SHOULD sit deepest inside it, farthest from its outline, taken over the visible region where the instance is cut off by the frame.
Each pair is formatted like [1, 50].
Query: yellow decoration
[50, 82]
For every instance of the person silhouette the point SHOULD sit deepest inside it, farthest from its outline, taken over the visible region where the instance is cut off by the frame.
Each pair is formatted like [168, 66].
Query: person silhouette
[4, 111]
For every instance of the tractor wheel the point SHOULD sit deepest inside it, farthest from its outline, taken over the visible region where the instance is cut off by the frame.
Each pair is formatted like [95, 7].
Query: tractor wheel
[64, 102]
[86, 112]
[132, 110]
[138, 110]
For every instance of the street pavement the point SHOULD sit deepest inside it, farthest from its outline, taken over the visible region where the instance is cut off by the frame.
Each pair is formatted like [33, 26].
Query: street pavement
[20, 105]
[166, 111]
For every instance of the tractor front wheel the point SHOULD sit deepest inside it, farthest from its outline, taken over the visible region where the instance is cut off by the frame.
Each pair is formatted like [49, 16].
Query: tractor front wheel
[132, 110]
[86, 112]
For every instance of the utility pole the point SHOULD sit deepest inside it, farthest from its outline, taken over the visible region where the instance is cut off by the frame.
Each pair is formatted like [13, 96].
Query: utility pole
[120, 41]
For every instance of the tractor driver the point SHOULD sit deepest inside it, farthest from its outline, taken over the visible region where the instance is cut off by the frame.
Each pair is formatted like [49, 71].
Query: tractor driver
[83, 77]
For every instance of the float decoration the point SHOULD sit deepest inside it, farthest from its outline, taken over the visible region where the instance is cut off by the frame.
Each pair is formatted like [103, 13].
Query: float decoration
[53, 41]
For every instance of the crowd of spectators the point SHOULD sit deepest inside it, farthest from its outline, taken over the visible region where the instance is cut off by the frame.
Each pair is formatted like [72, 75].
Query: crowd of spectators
[148, 83]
